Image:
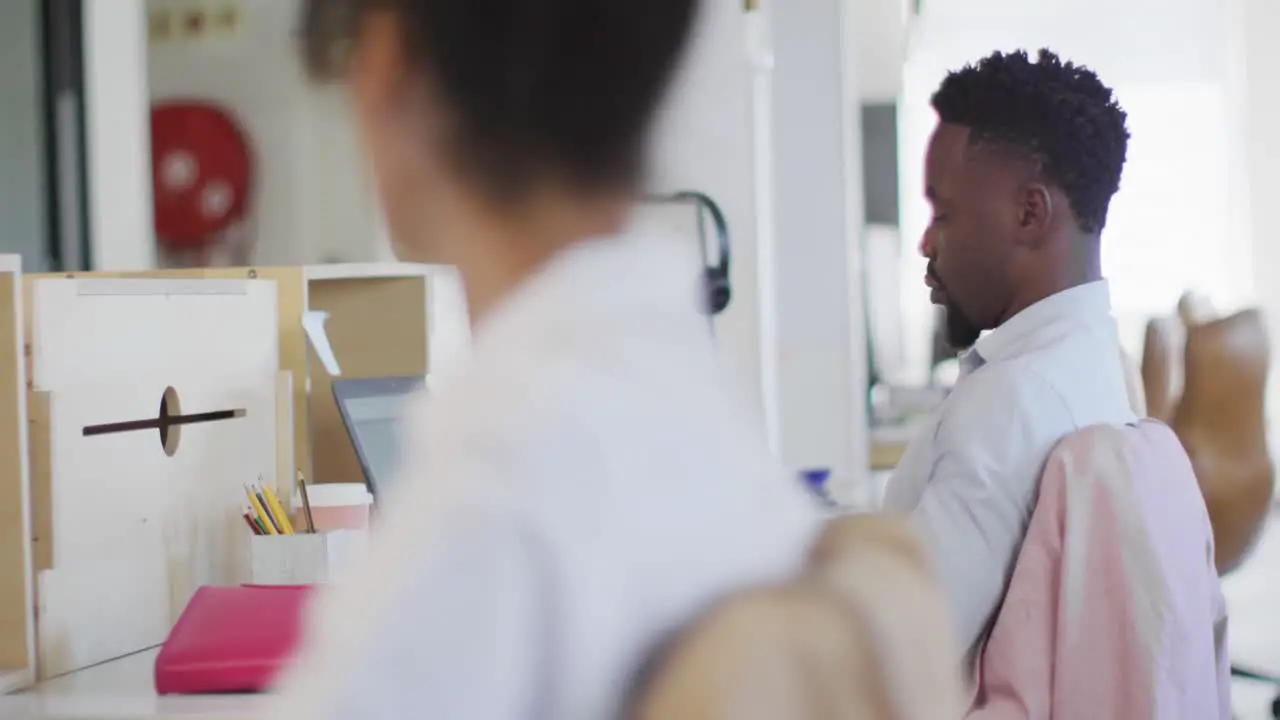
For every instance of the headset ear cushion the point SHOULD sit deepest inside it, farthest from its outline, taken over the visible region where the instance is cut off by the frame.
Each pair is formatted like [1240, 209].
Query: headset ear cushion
[719, 292]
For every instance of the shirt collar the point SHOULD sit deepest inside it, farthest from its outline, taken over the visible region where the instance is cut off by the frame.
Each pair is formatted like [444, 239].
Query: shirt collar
[970, 360]
[1083, 304]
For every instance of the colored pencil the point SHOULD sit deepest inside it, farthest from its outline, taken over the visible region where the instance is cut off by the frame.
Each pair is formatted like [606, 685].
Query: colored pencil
[253, 525]
[277, 508]
[306, 503]
[260, 511]
[271, 516]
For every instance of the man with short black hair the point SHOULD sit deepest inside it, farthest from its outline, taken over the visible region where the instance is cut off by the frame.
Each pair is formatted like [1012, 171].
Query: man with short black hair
[585, 483]
[1020, 173]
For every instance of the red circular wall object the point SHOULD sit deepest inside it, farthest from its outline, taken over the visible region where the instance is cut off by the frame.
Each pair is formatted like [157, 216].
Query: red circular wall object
[200, 169]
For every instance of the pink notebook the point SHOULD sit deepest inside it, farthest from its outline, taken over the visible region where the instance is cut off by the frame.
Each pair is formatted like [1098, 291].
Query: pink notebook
[232, 639]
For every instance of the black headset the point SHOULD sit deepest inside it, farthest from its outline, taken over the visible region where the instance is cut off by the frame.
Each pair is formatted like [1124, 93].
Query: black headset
[715, 277]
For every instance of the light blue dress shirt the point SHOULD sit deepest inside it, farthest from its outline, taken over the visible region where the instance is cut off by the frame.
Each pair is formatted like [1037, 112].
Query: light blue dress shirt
[970, 478]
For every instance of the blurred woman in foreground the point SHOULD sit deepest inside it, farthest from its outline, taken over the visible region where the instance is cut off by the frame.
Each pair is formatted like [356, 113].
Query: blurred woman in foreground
[586, 482]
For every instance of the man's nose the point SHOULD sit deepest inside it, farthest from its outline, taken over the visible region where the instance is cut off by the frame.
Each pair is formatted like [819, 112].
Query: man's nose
[926, 244]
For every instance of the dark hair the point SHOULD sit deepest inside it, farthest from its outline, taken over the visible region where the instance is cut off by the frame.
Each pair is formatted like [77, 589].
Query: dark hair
[535, 88]
[1058, 114]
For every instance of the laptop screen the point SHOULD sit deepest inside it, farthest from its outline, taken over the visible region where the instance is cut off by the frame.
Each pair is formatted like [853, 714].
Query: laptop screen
[373, 410]
[375, 426]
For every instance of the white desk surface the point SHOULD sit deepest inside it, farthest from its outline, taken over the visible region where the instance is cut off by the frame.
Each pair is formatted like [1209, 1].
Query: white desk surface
[124, 688]
[117, 690]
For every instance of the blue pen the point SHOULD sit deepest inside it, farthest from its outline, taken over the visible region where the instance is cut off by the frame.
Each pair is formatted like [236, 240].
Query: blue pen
[816, 480]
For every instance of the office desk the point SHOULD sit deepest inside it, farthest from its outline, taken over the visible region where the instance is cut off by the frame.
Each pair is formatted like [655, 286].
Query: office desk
[118, 690]
[888, 442]
[123, 689]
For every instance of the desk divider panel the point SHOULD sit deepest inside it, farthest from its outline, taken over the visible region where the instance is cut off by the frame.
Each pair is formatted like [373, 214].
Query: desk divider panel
[154, 401]
[17, 623]
[382, 320]
[291, 299]
[378, 326]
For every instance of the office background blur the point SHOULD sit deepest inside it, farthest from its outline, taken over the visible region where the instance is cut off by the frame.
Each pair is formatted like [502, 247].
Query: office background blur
[805, 121]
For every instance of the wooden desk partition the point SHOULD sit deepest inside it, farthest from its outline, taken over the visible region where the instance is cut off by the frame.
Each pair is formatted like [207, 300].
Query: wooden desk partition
[378, 327]
[380, 318]
[17, 625]
[132, 512]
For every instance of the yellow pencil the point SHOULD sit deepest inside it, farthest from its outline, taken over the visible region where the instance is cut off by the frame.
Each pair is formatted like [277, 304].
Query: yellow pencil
[277, 508]
[261, 512]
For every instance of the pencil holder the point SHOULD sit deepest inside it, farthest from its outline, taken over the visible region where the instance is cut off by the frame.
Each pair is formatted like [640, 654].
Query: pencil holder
[302, 559]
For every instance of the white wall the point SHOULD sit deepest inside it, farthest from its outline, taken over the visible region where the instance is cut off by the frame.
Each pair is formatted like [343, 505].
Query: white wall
[778, 150]
[118, 135]
[311, 200]
[794, 326]
[821, 348]
[1256, 76]
[705, 142]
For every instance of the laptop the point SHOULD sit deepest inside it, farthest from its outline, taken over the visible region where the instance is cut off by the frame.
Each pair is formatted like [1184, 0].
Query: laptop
[372, 410]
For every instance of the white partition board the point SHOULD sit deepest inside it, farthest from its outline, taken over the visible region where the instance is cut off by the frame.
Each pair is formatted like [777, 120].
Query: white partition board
[93, 331]
[132, 529]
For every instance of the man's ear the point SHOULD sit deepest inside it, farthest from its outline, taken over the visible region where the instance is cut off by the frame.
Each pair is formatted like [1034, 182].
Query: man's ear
[1035, 212]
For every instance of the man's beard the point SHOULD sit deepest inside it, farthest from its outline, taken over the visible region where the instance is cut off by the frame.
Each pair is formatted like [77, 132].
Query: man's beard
[961, 334]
